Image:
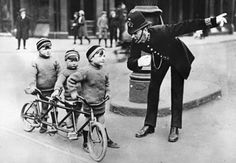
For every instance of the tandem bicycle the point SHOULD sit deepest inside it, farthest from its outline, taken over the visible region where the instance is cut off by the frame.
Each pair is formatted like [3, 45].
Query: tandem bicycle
[33, 118]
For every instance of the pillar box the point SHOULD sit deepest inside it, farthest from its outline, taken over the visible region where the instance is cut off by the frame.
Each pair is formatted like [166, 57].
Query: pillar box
[139, 81]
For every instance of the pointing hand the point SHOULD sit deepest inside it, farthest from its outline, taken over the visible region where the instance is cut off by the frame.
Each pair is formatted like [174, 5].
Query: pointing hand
[220, 19]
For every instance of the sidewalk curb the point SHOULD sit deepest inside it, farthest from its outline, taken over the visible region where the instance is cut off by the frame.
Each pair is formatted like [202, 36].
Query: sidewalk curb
[122, 106]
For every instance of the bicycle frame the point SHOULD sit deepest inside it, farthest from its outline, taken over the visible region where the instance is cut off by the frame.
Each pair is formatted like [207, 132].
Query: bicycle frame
[96, 132]
[53, 105]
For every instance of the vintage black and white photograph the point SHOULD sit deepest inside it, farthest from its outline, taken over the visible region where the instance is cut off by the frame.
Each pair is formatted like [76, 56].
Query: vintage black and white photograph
[118, 81]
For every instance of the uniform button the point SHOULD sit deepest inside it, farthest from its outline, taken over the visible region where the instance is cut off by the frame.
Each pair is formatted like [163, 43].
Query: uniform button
[151, 49]
[158, 53]
[148, 46]
[161, 56]
[155, 52]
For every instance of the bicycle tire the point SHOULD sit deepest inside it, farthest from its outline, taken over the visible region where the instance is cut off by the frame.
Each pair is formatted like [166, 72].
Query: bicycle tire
[97, 136]
[28, 115]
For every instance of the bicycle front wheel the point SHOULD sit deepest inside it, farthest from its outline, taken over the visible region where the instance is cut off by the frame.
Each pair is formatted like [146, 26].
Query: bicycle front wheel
[97, 141]
[29, 113]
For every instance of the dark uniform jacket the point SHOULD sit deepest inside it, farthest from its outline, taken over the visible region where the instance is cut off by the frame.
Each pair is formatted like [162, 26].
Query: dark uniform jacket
[164, 44]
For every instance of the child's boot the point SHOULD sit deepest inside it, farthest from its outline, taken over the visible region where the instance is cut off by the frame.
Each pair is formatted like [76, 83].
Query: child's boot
[54, 117]
[85, 143]
[43, 128]
[110, 143]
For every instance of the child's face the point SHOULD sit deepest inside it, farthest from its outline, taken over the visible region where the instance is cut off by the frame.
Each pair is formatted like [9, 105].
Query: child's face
[99, 57]
[72, 63]
[45, 51]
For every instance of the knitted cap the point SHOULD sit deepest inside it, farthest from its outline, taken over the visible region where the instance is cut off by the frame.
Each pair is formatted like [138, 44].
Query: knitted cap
[43, 42]
[136, 21]
[90, 53]
[72, 54]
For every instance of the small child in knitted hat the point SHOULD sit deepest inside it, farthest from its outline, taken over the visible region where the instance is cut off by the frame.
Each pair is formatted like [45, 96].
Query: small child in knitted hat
[45, 70]
[94, 85]
[72, 59]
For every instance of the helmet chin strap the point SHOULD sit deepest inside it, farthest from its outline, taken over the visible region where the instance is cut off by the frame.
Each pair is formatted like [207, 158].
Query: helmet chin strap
[138, 41]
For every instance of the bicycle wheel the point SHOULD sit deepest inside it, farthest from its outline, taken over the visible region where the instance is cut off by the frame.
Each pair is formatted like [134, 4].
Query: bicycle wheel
[97, 141]
[28, 114]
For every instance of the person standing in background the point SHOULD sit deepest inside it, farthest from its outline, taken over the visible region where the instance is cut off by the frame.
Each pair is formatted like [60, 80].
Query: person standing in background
[22, 27]
[82, 27]
[102, 25]
[121, 15]
[113, 23]
[74, 26]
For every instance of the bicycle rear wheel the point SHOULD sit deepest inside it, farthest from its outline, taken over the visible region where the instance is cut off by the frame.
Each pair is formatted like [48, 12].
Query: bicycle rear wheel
[97, 141]
[29, 113]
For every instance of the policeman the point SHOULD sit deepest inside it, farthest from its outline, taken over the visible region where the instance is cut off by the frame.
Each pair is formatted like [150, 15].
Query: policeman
[165, 50]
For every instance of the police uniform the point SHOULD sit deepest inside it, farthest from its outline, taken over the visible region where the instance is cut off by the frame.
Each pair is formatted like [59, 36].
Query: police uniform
[166, 51]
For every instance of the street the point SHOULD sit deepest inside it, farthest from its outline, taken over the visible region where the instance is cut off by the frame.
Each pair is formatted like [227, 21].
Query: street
[208, 134]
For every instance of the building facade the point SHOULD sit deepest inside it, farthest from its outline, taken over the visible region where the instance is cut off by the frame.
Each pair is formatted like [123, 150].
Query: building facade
[52, 18]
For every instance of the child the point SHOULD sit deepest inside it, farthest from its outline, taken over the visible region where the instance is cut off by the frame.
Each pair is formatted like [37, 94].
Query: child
[72, 58]
[102, 24]
[94, 87]
[44, 73]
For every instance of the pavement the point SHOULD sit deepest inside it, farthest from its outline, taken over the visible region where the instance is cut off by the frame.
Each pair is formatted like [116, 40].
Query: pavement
[208, 133]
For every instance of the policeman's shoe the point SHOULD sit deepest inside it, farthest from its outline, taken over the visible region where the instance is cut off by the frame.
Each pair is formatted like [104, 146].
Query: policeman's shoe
[174, 134]
[145, 131]
[112, 144]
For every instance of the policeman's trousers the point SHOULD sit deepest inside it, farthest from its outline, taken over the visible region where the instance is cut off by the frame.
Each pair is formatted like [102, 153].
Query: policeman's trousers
[177, 88]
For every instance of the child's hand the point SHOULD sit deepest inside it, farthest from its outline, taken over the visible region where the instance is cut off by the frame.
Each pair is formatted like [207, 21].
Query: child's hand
[74, 95]
[55, 93]
[30, 90]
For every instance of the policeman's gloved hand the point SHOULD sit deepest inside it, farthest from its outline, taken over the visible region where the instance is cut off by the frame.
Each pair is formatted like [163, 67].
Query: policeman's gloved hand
[221, 20]
[144, 60]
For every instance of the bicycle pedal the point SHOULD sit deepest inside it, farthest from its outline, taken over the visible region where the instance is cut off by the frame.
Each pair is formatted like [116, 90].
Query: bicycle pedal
[35, 125]
[72, 136]
[52, 131]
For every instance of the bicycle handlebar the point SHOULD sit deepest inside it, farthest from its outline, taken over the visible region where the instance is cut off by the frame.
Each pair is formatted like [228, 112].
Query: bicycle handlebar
[58, 98]
[93, 105]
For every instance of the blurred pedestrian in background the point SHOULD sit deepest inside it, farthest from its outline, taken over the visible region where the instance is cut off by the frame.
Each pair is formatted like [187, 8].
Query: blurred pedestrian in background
[102, 25]
[121, 15]
[74, 26]
[113, 24]
[82, 27]
[22, 27]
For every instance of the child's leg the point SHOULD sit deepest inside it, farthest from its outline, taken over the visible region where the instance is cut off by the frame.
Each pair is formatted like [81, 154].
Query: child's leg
[69, 123]
[85, 136]
[78, 107]
[110, 143]
[43, 128]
